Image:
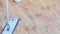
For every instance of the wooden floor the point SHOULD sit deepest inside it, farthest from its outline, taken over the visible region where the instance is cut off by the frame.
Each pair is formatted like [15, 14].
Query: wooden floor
[37, 16]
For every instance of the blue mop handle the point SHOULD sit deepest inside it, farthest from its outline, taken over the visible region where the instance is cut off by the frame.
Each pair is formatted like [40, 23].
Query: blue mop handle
[7, 10]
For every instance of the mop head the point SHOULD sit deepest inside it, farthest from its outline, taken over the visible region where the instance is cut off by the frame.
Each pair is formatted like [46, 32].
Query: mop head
[10, 26]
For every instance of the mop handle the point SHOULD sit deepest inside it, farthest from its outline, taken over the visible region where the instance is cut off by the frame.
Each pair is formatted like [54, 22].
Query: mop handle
[7, 11]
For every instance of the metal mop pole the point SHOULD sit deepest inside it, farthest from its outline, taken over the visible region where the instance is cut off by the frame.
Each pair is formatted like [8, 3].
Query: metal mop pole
[7, 11]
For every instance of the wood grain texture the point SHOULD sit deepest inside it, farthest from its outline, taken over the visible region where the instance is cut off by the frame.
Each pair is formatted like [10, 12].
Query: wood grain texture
[37, 16]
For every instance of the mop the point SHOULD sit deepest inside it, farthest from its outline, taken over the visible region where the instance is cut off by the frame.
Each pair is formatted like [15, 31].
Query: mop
[11, 23]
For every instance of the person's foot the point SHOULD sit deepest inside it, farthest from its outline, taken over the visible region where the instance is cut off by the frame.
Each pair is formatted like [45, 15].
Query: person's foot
[17, 1]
